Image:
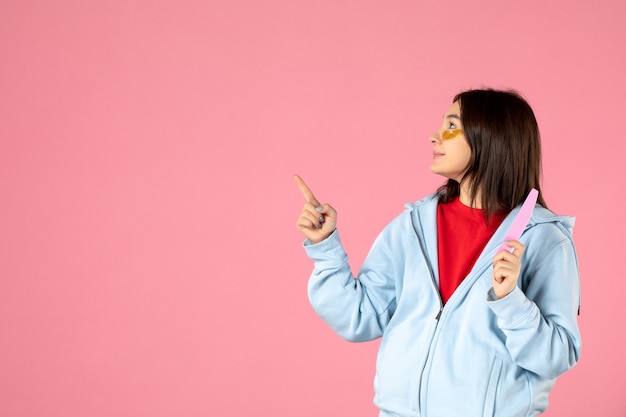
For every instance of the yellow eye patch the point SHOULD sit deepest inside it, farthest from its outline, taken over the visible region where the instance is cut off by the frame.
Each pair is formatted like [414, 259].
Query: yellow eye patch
[451, 134]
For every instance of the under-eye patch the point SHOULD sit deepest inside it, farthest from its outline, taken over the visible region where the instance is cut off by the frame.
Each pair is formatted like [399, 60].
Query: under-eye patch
[451, 134]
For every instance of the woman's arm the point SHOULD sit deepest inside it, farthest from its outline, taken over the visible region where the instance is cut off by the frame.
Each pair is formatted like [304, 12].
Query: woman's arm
[540, 321]
[358, 309]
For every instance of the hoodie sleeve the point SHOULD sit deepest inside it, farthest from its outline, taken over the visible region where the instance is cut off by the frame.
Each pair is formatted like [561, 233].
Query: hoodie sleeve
[540, 318]
[357, 308]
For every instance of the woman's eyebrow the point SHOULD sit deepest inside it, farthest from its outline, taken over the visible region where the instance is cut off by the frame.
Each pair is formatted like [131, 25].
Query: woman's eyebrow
[453, 116]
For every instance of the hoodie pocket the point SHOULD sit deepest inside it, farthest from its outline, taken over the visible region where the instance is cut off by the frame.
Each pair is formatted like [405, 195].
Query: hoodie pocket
[492, 388]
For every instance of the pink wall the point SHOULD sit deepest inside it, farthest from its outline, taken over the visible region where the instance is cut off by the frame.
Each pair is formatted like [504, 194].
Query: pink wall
[149, 260]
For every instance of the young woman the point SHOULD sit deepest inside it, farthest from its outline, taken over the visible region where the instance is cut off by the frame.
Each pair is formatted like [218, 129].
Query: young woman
[467, 329]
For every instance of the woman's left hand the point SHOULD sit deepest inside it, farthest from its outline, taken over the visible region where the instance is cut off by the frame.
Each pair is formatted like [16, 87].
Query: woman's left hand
[506, 269]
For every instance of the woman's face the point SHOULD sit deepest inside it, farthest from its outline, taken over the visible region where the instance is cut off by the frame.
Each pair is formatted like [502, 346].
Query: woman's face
[451, 152]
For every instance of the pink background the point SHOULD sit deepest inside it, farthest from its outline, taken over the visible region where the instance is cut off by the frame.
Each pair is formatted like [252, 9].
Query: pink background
[149, 260]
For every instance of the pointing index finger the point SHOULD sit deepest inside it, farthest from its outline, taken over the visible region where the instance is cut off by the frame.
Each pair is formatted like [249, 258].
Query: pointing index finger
[306, 191]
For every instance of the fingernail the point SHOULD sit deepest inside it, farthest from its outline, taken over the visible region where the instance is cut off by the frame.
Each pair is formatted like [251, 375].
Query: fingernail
[319, 225]
[319, 208]
[322, 219]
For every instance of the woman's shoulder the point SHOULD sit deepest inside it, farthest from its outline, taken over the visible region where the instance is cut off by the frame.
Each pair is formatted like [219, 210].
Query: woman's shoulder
[421, 211]
[549, 228]
[542, 215]
[429, 200]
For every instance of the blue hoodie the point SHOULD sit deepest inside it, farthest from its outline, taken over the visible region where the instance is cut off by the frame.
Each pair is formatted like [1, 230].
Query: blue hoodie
[476, 356]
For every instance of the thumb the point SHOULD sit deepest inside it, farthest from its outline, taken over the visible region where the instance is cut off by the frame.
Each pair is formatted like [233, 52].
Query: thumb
[327, 210]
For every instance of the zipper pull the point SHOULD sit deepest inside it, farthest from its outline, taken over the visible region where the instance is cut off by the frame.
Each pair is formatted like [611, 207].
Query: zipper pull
[439, 314]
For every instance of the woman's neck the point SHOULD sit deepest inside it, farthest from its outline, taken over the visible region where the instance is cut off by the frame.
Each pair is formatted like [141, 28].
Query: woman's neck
[465, 197]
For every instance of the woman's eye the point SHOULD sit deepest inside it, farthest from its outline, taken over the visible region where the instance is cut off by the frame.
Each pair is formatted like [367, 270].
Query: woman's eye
[451, 125]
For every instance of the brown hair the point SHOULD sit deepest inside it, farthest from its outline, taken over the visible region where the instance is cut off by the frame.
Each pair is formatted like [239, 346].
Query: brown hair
[505, 162]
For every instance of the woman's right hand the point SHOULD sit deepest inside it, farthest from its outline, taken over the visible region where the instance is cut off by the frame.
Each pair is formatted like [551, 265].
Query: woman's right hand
[317, 221]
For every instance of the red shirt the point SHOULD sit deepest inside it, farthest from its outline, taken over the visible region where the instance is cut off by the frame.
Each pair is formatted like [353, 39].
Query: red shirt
[461, 237]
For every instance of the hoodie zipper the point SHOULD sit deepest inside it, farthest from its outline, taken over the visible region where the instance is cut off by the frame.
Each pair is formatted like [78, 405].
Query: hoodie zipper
[422, 245]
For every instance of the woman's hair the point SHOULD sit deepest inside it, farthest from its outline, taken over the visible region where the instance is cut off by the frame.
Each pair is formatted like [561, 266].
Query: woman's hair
[505, 162]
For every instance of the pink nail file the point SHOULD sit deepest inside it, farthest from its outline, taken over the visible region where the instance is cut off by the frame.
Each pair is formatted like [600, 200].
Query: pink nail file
[521, 220]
